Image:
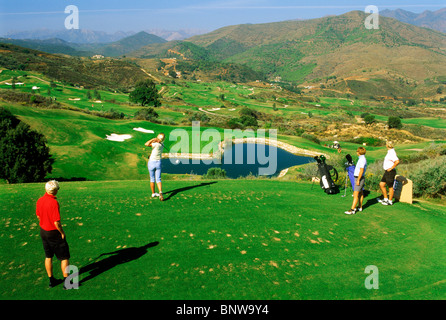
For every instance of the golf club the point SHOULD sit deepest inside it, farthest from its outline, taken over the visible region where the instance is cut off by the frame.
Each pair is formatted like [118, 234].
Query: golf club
[345, 189]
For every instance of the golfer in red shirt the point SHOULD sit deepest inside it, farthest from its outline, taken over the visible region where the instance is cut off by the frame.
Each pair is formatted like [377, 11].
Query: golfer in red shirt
[51, 232]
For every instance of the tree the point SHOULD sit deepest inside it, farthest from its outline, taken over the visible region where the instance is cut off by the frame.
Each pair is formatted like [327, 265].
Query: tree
[248, 121]
[234, 123]
[96, 94]
[245, 111]
[369, 119]
[145, 93]
[14, 80]
[394, 123]
[173, 74]
[24, 156]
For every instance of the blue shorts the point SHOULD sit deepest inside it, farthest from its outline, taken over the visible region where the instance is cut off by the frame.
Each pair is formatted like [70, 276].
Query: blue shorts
[154, 170]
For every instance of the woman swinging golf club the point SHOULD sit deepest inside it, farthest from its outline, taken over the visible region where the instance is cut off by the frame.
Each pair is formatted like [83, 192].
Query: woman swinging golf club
[154, 164]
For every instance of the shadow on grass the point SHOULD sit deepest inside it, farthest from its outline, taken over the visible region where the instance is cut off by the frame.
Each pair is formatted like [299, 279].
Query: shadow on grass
[172, 193]
[115, 258]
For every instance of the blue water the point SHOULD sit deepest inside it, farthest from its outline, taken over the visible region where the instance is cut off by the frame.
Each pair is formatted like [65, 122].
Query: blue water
[240, 164]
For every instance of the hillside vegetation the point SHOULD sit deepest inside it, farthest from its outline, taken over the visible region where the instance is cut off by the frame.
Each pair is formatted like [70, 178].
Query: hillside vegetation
[397, 60]
[106, 73]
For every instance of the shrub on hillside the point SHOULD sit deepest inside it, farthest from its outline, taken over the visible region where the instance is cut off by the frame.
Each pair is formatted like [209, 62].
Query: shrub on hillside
[248, 121]
[215, 173]
[430, 152]
[35, 100]
[112, 114]
[369, 119]
[429, 178]
[425, 132]
[311, 137]
[369, 141]
[235, 123]
[148, 114]
[394, 123]
[199, 116]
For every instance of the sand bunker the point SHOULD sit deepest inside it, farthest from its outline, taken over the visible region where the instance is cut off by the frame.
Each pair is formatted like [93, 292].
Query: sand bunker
[143, 130]
[118, 137]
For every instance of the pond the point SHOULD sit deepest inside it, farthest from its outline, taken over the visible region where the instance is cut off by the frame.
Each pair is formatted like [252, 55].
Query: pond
[240, 161]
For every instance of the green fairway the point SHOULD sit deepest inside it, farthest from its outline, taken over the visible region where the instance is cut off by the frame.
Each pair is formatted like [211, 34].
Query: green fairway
[429, 122]
[224, 239]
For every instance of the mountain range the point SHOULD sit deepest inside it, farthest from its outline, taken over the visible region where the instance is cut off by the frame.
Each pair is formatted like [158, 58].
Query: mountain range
[435, 20]
[72, 35]
[112, 49]
[85, 36]
[334, 53]
[120, 47]
[396, 59]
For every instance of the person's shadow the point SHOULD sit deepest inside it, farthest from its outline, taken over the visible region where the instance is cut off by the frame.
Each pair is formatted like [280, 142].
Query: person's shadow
[172, 193]
[115, 258]
[368, 202]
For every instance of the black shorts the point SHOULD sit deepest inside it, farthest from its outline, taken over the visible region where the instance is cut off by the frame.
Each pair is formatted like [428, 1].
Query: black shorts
[53, 244]
[389, 178]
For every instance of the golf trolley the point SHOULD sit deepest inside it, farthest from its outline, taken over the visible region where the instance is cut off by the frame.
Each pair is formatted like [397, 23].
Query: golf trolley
[328, 175]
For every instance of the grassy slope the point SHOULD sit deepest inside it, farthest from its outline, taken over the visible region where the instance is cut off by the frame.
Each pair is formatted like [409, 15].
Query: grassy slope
[226, 240]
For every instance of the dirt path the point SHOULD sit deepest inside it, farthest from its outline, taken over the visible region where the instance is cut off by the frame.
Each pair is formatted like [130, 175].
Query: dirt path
[150, 75]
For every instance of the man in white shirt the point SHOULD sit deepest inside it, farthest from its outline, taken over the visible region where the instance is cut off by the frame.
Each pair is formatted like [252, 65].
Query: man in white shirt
[390, 162]
[358, 191]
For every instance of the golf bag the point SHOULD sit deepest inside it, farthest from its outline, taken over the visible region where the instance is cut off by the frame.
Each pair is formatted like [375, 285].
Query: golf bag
[325, 172]
[350, 168]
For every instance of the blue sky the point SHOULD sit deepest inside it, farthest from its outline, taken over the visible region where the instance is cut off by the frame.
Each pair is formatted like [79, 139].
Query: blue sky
[137, 15]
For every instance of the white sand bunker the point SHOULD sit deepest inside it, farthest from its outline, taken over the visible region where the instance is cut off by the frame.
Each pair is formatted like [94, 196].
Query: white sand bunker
[143, 130]
[118, 137]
